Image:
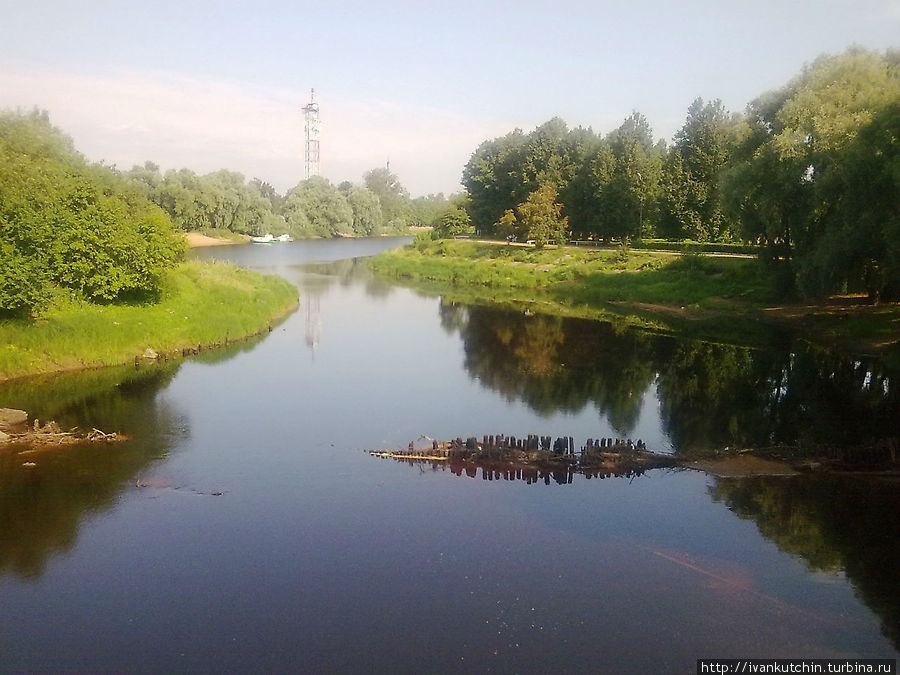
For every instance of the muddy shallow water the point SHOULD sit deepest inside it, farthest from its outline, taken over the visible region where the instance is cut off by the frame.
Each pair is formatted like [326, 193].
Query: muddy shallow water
[245, 528]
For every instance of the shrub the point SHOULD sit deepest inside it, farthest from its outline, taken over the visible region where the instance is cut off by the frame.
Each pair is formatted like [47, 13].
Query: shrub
[454, 221]
[67, 223]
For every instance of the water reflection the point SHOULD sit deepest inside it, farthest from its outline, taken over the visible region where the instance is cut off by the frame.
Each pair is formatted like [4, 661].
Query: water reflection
[43, 506]
[320, 555]
[348, 272]
[835, 524]
[512, 472]
[711, 396]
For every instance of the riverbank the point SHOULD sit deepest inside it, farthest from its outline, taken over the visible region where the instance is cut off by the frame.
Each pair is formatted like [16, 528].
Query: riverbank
[719, 297]
[198, 239]
[201, 304]
[227, 238]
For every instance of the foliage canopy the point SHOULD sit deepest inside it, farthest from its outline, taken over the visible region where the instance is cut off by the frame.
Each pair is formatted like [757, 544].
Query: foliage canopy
[811, 172]
[65, 223]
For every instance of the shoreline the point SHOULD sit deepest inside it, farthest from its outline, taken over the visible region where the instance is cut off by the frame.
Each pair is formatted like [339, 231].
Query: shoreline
[206, 305]
[198, 240]
[705, 296]
[182, 351]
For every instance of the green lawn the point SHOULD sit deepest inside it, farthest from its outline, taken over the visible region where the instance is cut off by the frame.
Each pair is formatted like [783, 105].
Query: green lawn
[201, 304]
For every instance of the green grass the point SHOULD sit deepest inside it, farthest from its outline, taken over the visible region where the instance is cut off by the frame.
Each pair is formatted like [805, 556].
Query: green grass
[583, 276]
[201, 304]
[717, 298]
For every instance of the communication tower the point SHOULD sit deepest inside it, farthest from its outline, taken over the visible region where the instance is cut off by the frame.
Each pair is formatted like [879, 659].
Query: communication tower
[311, 115]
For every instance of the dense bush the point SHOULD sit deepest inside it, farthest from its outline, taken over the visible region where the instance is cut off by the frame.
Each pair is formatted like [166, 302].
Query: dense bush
[67, 223]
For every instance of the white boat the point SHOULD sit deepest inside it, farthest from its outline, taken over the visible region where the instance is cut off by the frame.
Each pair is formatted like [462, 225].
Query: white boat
[284, 237]
[267, 238]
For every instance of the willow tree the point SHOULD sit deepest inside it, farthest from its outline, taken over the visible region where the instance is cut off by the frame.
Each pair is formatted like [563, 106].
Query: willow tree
[819, 182]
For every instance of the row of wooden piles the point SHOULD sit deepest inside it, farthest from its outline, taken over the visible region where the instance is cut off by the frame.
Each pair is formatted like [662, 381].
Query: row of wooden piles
[500, 446]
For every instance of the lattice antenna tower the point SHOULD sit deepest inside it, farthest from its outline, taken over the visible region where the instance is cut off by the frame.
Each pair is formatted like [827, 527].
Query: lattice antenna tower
[312, 128]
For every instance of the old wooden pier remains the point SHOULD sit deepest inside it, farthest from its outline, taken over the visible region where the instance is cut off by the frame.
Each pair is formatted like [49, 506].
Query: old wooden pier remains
[535, 458]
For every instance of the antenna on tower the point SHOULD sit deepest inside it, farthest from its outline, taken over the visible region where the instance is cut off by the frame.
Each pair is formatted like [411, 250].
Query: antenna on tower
[312, 127]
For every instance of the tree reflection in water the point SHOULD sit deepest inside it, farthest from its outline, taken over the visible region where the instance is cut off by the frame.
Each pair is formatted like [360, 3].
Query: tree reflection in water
[42, 507]
[711, 395]
[835, 524]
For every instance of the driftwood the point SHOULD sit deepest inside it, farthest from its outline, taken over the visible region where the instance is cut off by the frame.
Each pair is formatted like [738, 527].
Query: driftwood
[36, 435]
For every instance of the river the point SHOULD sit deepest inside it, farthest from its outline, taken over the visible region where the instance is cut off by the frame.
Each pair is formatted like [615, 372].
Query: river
[245, 528]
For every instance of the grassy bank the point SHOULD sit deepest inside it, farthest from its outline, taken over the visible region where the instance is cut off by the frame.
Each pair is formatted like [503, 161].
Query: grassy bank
[717, 297]
[584, 276]
[200, 304]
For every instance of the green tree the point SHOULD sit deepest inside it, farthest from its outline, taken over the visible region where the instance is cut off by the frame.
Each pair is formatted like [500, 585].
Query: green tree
[493, 179]
[614, 191]
[147, 177]
[816, 183]
[502, 172]
[366, 207]
[316, 208]
[540, 215]
[454, 221]
[394, 198]
[67, 223]
[691, 203]
[508, 226]
[424, 211]
[178, 195]
[265, 190]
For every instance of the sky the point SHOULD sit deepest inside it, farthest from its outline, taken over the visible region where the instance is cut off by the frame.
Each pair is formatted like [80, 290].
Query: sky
[211, 85]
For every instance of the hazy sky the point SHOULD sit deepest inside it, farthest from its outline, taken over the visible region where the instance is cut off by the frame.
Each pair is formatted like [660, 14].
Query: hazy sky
[209, 85]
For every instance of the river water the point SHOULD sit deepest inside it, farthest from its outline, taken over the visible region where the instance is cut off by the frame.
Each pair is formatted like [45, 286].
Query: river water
[244, 528]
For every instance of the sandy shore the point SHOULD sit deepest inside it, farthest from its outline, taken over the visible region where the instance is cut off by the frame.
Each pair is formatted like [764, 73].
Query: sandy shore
[195, 239]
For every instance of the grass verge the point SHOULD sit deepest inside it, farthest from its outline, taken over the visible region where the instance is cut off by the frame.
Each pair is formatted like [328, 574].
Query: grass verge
[201, 304]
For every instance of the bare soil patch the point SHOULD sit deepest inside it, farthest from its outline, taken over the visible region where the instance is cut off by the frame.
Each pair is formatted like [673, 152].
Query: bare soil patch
[196, 239]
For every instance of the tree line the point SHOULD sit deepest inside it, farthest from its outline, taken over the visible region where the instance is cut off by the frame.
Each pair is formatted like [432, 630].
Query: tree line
[109, 235]
[809, 172]
[66, 224]
[225, 200]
